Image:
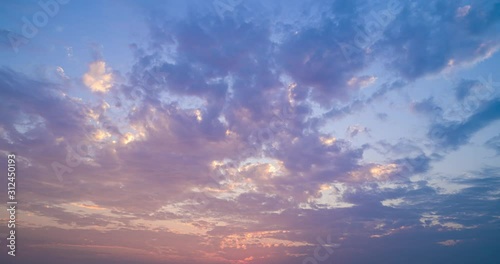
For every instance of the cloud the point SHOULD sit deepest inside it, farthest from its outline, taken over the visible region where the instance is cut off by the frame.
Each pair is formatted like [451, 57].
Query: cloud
[313, 57]
[215, 148]
[50, 113]
[463, 11]
[61, 73]
[452, 135]
[98, 78]
[362, 81]
[464, 88]
[450, 242]
[428, 107]
[494, 143]
[354, 130]
[421, 45]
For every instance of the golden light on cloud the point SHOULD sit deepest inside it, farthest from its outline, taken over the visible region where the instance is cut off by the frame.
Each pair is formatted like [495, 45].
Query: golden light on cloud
[382, 171]
[230, 133]
[101, 135]
[372, 172]
[328, 140]
[127, 138]
[324, 187]
[249, 258]
[88, 206]
[98, 78]
[216, 163]
[198, 115]
[274, 168]
[263, 239]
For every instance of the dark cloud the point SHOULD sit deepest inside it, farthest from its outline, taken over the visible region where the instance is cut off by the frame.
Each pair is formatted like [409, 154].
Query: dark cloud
[382, 116]
[428, 107]
[452, 135]
[494, 143]
[464, 88]
[357, 105]
[425, 37]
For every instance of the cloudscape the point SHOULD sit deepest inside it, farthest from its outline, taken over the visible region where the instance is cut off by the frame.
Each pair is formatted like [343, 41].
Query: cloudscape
[241, 132]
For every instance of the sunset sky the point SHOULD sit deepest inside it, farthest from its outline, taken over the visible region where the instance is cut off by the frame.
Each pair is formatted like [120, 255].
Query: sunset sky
[241, 132]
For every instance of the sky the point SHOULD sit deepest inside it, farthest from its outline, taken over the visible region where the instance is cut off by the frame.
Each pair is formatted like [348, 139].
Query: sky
[235, 131]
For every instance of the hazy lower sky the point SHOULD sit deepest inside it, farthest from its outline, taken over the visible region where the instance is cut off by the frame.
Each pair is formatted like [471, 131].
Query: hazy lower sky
[238, 131]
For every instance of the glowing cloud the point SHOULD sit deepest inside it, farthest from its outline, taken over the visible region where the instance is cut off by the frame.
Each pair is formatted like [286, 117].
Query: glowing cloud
[98, 78]
[328, 140]
[383, 171]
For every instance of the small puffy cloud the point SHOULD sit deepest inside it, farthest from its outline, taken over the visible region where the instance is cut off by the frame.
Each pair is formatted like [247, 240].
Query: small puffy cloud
[450, 242]
[383, 171]
[374, 172]
[463, 11]
[100, 135]
[355, 130]
[98, 78]
[494, 143]
[328, 141]
[393, 202]
[60, 72]
[127, 138]
[362, 81]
